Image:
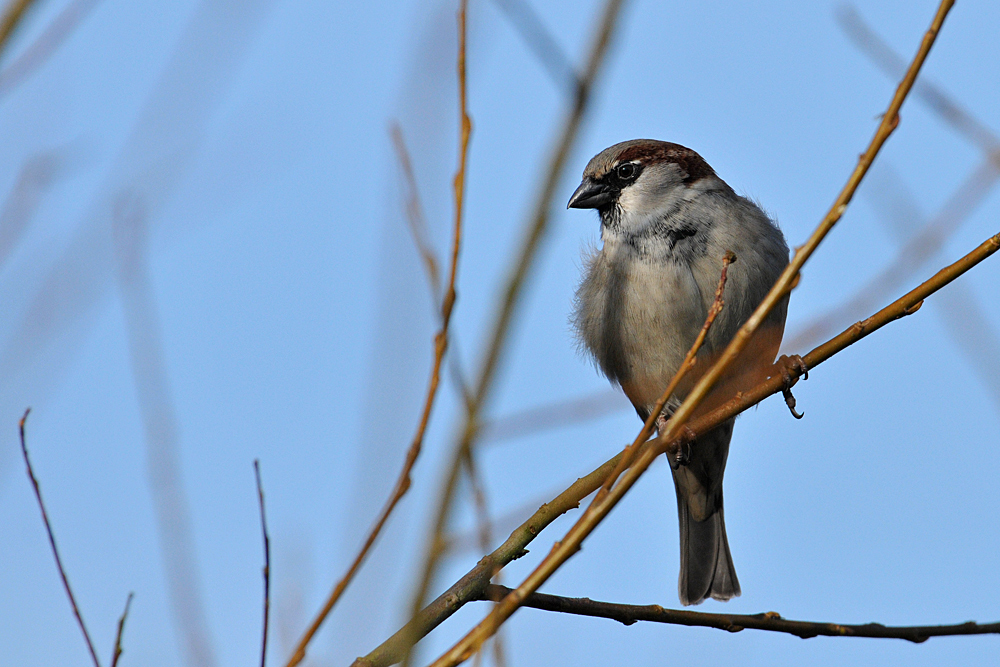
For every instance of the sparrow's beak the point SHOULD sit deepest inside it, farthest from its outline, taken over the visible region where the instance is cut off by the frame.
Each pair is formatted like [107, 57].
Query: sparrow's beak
[591, 194]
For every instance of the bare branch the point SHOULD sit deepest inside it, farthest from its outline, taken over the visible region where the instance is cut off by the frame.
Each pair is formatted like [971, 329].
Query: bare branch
[267, 564]
[440, 347]
[914, 254]
[52, 543]
[599, 509]
[770, 621]
[117, 652]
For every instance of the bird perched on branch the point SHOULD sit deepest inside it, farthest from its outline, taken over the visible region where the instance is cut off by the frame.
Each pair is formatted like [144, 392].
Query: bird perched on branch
[667, 221]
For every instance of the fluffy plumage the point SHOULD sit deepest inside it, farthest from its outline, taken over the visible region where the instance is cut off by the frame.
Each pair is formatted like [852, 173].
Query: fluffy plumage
[667, 220]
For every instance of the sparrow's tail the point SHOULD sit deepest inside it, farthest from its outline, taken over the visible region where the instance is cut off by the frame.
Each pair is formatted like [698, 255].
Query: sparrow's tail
[706, 565]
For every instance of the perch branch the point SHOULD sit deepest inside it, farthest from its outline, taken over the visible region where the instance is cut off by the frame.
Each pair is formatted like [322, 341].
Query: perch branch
[770, 621]
[475, 581]
[599, 509]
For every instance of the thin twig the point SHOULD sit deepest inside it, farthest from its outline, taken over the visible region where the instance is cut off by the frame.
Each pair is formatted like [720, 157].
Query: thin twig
[475, 581]
[52, 543]
[961, 312]
[534, 233]
[116, 653]
[440, 347]
[267, 564]
[596, 512]
[414, 212]
[770, 621]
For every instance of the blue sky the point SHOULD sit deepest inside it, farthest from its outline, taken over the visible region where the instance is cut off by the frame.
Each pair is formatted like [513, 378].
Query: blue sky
[280, 292]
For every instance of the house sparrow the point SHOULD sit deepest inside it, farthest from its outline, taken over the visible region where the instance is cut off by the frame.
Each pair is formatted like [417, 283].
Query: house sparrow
[667, 221]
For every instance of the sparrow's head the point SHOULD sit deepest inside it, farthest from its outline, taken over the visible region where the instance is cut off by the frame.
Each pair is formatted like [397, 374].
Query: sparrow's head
[639, 180]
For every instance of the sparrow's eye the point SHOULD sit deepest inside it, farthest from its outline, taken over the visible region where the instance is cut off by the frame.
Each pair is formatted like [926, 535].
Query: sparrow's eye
[626, 172]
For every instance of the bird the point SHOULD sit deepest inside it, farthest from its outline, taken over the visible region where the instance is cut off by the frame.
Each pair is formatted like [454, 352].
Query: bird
[667, 222]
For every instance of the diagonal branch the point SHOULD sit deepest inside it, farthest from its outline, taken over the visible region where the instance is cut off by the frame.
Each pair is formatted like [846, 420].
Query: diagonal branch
[440, 347]
[890, 62]
[600, 508]
[770, 621]
[117, 651]
[52, 543]
[470, 586]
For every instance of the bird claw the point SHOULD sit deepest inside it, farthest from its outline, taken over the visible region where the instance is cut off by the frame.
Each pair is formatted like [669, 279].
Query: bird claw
[791, 364]
[790, 402]
[680, 454]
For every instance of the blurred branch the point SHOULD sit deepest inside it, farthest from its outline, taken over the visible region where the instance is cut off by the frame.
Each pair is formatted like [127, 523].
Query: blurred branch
[37, 174]
[552, 415]
[267, 563]
[927, 243]
[440, 347]
[12, 16]
[772, 621]
[52, 543]
[603, 504]
[472, 585]
[117, 652]
[876, 48]
[130, 225]
[963, 316]
[45, 45]
[471, 540]
[414, 212]
[524, 261]
[914, 254]
[975, 336]
[541, 42]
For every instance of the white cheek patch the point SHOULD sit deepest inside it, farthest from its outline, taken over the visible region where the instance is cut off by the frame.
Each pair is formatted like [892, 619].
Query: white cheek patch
[655, 195]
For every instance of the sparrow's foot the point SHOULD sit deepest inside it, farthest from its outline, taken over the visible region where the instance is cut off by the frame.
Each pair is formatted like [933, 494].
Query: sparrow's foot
[680, 453]
[792, 367]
